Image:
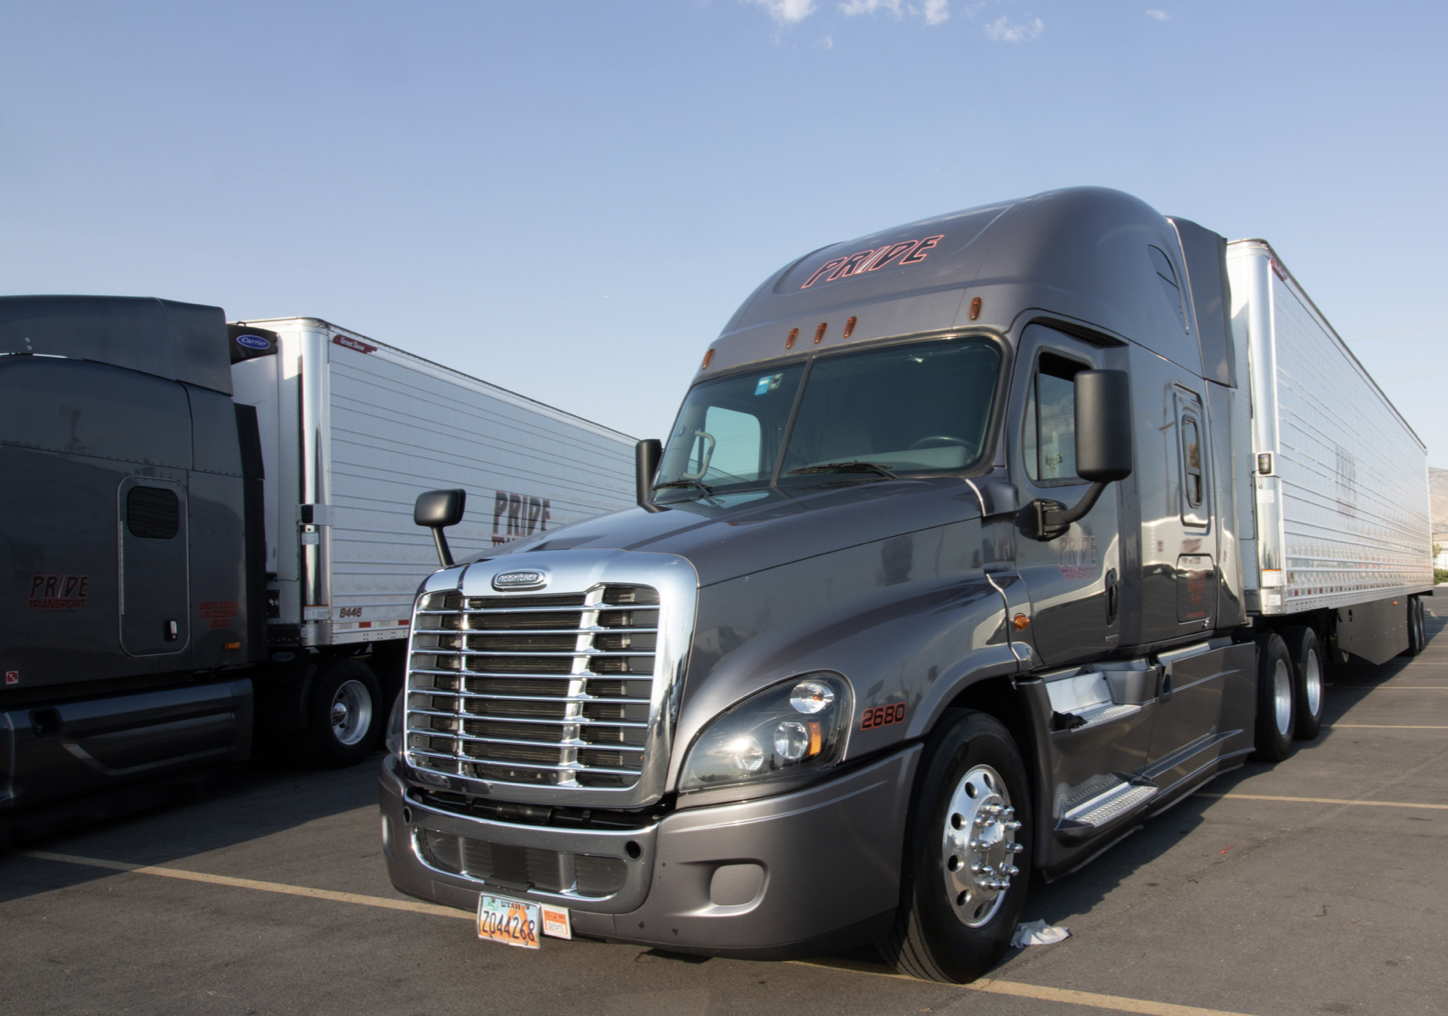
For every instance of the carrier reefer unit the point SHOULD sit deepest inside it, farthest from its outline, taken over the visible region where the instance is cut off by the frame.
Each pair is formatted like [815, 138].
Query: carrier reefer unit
[976, 541]
[209, 536]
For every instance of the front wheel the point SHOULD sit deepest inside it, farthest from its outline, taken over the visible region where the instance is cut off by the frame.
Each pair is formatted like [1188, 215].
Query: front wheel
[1276, 712]
[967, 860]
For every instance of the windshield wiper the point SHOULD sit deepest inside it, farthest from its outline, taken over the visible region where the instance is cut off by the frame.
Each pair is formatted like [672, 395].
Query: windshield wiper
[708, 490]
[853, 466]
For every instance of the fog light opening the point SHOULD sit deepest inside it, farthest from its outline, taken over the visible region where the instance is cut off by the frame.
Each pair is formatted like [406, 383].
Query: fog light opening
[633, 850]
[407, 814]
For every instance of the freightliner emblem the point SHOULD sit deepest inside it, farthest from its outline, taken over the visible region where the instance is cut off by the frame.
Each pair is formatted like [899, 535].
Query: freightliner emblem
[520, 580]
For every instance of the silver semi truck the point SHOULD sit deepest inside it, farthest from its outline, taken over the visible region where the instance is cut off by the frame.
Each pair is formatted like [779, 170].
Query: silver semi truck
[209, 534]
[976, 542]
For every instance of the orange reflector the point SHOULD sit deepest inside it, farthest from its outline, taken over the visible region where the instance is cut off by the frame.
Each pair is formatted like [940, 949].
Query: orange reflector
[820, 332]
[789, 342]
[849, 327]
[404, 622]
[708, 358]
[229, 646]
[975, 308]
[1022, 622]
[814, 738]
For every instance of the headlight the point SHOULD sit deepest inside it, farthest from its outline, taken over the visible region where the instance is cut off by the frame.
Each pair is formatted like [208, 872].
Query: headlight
[396, 721]
[792, 728]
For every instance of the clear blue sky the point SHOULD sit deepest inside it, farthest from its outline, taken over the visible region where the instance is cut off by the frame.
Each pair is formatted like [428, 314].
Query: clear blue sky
[570, 198]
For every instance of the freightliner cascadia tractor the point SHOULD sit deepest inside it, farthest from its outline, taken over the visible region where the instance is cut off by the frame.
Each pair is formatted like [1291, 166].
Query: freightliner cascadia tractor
[976, 542]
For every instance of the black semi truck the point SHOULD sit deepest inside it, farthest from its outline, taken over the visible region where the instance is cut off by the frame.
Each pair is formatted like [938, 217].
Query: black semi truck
[207, 534]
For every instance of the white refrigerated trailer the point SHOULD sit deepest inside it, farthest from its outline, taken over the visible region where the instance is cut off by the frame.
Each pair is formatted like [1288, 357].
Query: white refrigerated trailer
[353, 429]
[1337, 517]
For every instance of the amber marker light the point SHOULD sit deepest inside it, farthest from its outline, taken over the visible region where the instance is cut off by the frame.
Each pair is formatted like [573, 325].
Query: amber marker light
[820, 332]
[974, 308]
[1021, 623]
[814, 739]
[708, 359]
[789, 342]
[230, 646]
[850, 327]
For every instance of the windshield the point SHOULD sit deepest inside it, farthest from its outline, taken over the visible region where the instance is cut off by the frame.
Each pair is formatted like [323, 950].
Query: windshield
[922, 407]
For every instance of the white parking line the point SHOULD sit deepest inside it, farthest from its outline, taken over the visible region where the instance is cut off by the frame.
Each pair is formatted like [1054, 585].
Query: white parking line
[989, 985]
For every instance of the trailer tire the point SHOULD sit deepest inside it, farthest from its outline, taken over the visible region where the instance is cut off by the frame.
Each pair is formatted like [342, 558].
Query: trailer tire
[953, 925]
[344, 714]
[1276, 700]
[1309, 690]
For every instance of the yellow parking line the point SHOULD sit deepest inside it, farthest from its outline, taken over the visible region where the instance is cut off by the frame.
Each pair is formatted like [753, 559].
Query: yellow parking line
[1389, 687]
[1325, 800]
[1040, 993]
[1386, 726]
[251, 883]
[1037, 992]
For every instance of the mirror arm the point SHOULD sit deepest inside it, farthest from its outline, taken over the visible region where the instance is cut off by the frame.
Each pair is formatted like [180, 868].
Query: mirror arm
[444, 553]
[1046, 520]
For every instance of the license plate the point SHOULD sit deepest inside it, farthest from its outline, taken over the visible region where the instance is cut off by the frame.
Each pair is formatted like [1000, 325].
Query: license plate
[512, 922]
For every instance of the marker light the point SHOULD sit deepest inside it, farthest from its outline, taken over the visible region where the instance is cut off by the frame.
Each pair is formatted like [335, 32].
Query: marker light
[789, 342]
[850, 327]
[708, 358]
[975, 308]
[820, 332]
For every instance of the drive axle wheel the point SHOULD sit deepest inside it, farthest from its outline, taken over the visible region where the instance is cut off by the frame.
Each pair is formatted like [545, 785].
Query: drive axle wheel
[967, 857]
[344, 717]
[1276, 712]
[1306, 654]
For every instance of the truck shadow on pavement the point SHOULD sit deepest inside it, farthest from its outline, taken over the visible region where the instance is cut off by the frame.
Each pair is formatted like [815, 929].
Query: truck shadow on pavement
[260, 803]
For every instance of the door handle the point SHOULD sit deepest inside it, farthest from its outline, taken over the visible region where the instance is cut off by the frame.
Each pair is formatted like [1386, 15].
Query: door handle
[1112, 598]
[172, 630]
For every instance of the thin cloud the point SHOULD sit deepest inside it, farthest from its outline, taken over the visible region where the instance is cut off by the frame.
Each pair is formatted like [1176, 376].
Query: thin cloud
[853, 7]
[786, 12]
[1157, 15]
[825, 42]
[936, 11]
[1003, 29]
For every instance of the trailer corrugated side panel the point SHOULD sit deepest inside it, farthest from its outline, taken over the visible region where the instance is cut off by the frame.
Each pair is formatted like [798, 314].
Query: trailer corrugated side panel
[1343, 517]
[401, 425]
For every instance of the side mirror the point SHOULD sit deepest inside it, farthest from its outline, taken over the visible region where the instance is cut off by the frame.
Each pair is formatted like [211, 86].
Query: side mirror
[646, 466]
[1103, 425]
[1103, 450]
[438, 509]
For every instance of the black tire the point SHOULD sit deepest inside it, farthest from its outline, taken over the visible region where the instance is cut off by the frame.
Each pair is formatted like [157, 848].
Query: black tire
[940, 934]
[1276, 700]
[337, 738]
[1417, 629]
[1308, 681]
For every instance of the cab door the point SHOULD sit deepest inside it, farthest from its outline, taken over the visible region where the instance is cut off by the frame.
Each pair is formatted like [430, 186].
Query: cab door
[151, 528]
[1072, 580]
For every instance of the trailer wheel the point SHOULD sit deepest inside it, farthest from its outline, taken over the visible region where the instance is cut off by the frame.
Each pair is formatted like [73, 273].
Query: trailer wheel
[961, 888]
[344, 714]
[1275, 700]
[1417, 629]
[1308, 687]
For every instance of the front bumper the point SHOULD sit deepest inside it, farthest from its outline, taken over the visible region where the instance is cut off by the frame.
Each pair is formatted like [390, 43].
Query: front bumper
[798, 874]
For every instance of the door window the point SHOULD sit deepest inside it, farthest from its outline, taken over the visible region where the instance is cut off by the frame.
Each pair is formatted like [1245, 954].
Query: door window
[1050, 435]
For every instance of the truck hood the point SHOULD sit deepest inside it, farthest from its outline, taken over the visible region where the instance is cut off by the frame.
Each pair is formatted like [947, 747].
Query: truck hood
[740, 534]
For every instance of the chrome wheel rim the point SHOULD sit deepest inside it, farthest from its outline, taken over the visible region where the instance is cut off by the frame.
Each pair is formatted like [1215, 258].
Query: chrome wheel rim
[1282, 696]
[1312, 682]
[351, 712]
[979, 846]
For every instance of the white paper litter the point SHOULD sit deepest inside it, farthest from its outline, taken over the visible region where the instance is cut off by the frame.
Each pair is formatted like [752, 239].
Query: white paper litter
[1038, 933]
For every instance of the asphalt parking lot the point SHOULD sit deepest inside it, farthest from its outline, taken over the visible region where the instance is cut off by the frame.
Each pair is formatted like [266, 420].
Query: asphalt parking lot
[1317, 886]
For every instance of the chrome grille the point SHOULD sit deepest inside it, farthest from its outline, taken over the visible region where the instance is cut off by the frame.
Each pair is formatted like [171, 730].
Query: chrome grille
[551, 690]
[588, 875]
